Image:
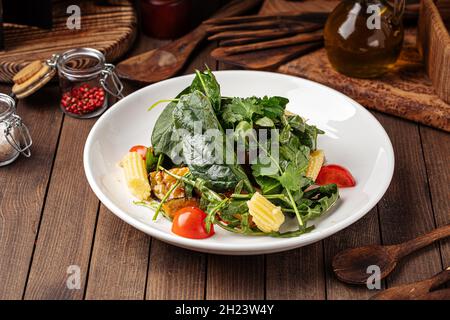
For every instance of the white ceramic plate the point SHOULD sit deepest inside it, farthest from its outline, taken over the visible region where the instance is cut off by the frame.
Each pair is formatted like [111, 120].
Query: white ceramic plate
[353, 138]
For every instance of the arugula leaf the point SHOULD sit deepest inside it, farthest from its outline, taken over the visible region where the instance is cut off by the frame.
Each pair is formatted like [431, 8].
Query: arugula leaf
[291, 177]
[240, 109]
[235, 207]
[309, 136]
[239, 186]
[268, 185]
[274, 170]
[247, 109]
[317, 201]
[285, 135]
[150, 160]
[296, 122]
[293, 151]
[294, 158]
[273, 107]
[266, 165]
[297, 196]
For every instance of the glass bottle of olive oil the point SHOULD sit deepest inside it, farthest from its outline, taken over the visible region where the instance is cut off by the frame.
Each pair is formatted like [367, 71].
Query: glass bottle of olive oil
[363, 38]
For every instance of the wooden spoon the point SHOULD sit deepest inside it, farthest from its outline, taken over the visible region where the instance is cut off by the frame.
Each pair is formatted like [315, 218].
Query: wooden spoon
[277, 43]
[268, 58]
[277, 32]
[166, 61]
[421, 290]
[351, 265]
[317, 17]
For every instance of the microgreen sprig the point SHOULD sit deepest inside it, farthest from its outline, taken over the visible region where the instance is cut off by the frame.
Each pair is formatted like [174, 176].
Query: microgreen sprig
[162, 101]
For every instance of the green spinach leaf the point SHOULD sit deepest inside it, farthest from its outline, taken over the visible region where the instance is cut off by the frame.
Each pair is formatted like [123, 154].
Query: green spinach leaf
[205, 156]
[206, 82]
[164, 139]
[265, 122]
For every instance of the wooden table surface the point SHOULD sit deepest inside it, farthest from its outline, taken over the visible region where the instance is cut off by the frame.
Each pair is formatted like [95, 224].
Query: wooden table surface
[50, 219]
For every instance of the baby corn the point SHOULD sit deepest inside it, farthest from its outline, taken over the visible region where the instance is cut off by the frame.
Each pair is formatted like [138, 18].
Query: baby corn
[315, 164]
[136, 175]
[265, 214]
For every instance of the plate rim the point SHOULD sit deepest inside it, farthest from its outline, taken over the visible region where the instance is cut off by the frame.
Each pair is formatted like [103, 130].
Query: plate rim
[226, 248]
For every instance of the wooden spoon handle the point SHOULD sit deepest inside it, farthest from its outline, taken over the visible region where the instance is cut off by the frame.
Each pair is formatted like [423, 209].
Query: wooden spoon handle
[443, 294]
[411, 12]
[235, 7]
[302, 28]
[246, 39]
[298, 39]
[418, 290]
[440, 279]
[422, 241]
[260, 25]
[318, 17]
[164, 62]
[185, 45]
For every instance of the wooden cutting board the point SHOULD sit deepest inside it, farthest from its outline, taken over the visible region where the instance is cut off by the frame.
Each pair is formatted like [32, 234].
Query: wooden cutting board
[109, 28]
[406, 92]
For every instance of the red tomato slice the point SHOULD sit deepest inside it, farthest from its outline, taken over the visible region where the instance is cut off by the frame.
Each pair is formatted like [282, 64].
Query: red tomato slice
[142, 150]
[189, 222]
[334, 173]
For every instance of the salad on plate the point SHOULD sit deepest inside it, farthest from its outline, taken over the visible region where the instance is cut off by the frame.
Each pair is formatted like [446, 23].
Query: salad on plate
[246, 165]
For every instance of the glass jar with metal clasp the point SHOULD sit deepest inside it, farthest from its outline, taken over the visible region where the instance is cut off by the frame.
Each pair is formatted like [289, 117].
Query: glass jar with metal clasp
[83, 80]
[15, 138]
[88, 84]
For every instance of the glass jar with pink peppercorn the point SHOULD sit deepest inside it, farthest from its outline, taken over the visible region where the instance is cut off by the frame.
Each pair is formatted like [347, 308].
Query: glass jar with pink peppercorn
[85, 80]
[88, 84]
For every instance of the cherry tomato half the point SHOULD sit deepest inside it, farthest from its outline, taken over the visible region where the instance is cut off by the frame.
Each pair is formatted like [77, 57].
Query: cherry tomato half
[189, 222]
[142, 150]
[334, 173]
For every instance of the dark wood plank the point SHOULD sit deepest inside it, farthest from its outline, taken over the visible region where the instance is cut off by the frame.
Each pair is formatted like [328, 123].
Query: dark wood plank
[364, 232]
[405, 210]
[68, 221]
[235, 277]
[118, 267]
[296, 274]
[119, 261]
[23, 187]
[436, 147]
[177, 273]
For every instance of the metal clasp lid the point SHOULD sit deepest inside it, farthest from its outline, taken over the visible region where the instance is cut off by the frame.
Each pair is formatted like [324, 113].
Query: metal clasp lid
[52, 62]
[108, 72]
[25, 141]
